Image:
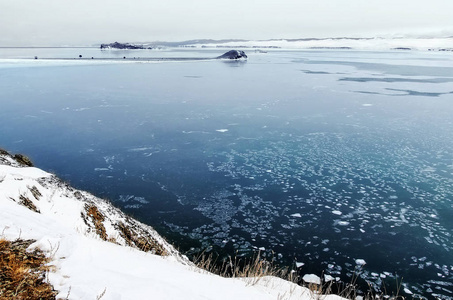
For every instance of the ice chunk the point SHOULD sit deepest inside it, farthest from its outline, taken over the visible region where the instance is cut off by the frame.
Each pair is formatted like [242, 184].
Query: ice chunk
[311, 278]
[360, 262]
[408, 291]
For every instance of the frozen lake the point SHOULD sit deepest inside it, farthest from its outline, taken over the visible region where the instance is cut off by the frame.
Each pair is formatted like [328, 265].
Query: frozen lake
[325, 158]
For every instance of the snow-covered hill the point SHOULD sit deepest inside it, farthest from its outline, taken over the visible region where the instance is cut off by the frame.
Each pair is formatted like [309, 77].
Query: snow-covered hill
[374, 43]
[98, 251]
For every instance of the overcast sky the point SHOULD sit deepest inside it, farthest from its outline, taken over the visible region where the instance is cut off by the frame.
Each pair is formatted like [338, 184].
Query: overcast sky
[86, 22]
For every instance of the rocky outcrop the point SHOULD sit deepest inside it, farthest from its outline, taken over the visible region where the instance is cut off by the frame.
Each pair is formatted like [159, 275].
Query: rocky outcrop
[17, 160]
[233, 54]
[117, 45]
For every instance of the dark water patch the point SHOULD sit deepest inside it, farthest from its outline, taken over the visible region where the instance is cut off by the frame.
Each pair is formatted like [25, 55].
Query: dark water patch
[369, 93]
[403, 70]
[315, 72]
[393, 80]
[405, 93]
[416, 93]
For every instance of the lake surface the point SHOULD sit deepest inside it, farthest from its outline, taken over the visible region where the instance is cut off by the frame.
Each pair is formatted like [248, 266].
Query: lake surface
[325, 158]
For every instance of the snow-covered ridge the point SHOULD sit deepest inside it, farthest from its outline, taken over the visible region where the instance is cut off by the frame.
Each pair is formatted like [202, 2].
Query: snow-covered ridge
[46, 194]
[98, 252]
[376, 43]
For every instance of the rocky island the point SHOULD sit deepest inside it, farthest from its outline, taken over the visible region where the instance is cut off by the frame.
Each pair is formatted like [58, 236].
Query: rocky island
[117, 45]
[233, 54]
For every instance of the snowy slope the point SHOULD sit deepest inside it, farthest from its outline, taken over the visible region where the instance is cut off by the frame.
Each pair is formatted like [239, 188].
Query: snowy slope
[98, 251]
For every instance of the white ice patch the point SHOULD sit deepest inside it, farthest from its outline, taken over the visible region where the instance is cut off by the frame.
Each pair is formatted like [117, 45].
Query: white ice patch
[360, 262]
[408, 291]
[367, 104]
[337, 212]
[311, 278]
[222, 130]
[297, 215]
[299, 264]
[343, 223]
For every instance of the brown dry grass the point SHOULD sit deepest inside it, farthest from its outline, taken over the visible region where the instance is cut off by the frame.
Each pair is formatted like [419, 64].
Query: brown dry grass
[142, 241]
[22, 273]
[98, 219]
[28, 203]
[253, 269]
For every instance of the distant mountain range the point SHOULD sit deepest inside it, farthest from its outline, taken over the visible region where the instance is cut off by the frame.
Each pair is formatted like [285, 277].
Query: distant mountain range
[367, 43]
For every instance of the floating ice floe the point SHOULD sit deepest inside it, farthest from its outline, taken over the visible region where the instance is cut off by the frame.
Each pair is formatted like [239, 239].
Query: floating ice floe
[311, 278]
[222, 130]
[360, 262]
[408, 291]
[299, 264]
[296, 215]
[343, 223]
[337, 212]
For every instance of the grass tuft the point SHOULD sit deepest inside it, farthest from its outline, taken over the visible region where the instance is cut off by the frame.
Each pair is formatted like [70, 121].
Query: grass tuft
[252, 269]
[141, 241]
[28, 203]
[22, 273]
[97, 218]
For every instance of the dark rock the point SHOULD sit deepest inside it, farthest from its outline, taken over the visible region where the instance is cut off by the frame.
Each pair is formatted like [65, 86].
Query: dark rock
[233, 54]
[22, 159]
[117, 45]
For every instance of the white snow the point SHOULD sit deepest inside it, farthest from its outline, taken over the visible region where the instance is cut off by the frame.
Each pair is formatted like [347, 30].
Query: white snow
[85, 266]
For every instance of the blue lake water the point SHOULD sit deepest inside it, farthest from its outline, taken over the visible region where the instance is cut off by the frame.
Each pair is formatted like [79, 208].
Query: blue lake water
[318, 157]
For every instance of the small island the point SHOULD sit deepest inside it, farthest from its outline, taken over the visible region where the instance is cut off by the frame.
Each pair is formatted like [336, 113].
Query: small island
[117, 45]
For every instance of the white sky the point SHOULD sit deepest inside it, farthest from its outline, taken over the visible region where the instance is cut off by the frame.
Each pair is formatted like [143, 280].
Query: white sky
[86, 22]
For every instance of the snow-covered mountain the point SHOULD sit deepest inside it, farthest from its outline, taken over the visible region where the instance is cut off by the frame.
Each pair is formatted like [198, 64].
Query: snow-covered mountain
[99, 252]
